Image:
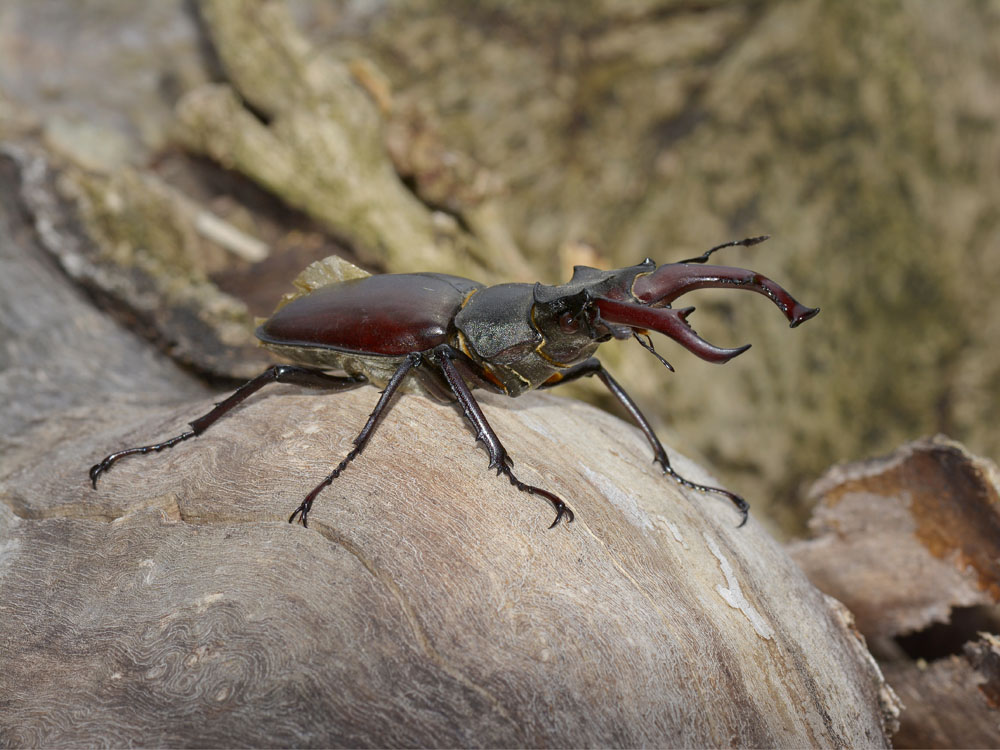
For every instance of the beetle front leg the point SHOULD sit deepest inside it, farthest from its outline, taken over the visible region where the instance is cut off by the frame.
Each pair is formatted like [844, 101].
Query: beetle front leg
[594, 367]
[499, 459]
[411, 361]
[308, 377]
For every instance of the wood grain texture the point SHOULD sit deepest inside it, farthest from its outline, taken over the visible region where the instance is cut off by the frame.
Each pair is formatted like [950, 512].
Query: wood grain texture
[426, 604]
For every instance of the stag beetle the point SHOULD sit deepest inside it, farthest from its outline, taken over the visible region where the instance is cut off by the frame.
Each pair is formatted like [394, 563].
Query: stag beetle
[443, 336]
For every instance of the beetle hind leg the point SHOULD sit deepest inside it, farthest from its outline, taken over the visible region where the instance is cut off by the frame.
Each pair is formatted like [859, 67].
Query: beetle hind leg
[499, 459]
[308, 377]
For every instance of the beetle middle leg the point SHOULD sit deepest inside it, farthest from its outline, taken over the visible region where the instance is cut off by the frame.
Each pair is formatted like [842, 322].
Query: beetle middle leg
[309, 377]
[593, 366]
[411, 361]
[499, 459]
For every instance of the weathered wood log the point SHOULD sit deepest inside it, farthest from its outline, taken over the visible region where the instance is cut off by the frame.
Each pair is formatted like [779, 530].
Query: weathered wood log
[427, 604]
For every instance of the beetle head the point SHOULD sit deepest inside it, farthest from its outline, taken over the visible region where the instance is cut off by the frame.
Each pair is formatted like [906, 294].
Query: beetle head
[597, 305]
[568, 317]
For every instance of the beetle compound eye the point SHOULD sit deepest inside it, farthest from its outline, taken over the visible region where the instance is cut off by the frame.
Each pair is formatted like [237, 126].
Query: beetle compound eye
[569, 322]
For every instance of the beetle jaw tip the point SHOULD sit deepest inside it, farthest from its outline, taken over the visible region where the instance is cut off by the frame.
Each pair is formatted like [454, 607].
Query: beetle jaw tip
[739, 350]
[725, 355]
[801, 315]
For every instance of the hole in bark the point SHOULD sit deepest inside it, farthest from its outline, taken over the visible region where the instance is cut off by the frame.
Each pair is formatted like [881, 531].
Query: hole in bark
[944, 639]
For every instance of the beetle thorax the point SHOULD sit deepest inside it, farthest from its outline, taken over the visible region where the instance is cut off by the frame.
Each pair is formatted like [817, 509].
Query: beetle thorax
[501, 330]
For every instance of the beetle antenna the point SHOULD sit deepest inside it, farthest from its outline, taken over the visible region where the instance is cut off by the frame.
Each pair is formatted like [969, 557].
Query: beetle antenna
[648, 346]
[748, 242]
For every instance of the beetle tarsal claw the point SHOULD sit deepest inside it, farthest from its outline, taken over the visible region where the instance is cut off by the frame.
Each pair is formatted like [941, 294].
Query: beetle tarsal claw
[741, 505]
[302, 512]
[562, 510]
[745, 511]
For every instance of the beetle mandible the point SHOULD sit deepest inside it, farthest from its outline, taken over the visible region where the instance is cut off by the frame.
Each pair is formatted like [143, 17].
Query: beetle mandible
[443, 336]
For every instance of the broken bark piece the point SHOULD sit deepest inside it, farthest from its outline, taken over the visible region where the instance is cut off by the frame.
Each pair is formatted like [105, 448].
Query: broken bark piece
[902, 540]
[984, 656]
[950, 702]
[137, 245]
[911, 544]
